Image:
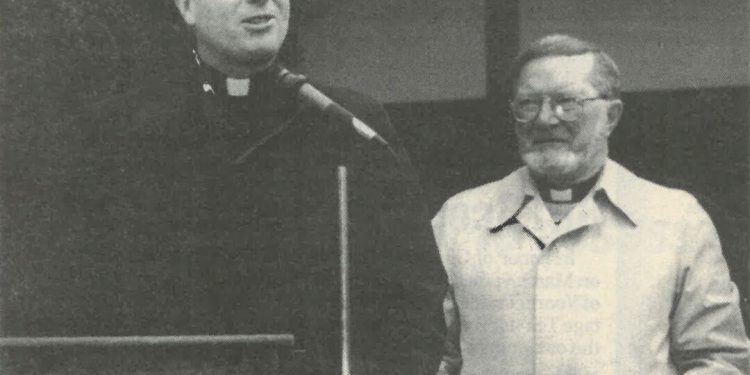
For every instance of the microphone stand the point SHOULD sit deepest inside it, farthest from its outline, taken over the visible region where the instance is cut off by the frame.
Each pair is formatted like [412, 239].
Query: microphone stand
[344, 248]
[309, 96]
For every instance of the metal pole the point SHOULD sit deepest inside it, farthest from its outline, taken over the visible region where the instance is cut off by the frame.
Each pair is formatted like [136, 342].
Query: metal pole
[344, 245]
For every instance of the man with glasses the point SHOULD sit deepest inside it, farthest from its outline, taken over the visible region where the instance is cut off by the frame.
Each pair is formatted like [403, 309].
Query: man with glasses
[572, 264]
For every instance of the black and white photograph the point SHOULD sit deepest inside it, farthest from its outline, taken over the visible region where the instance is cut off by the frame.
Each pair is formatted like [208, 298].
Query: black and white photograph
[304, 187]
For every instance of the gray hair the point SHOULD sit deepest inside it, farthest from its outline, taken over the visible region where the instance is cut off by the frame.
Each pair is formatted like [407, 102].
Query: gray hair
[605, 77]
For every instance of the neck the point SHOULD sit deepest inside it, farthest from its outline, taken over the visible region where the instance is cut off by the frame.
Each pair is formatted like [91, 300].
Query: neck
[564, 182]
[234, 68]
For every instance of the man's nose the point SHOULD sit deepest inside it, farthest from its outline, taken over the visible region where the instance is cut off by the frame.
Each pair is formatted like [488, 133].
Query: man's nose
[546, 114]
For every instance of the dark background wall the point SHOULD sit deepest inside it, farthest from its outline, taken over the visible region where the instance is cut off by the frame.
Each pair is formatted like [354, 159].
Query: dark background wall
[685, 64]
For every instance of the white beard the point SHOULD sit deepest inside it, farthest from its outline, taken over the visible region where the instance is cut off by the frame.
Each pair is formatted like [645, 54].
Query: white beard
[555, 164]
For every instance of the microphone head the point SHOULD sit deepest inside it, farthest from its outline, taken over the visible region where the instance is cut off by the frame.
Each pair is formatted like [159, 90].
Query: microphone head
[289, 80]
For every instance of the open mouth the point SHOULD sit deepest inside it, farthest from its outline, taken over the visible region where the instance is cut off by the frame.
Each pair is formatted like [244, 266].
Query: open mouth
[259, 20]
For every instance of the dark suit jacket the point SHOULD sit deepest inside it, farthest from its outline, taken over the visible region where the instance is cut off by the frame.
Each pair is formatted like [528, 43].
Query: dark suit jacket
[168, 210]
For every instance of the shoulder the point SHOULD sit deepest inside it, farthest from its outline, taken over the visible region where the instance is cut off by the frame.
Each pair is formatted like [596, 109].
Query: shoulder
[474, 198]
[153, 96]
[373, 114]
[363, 106]
[355, 101]
[497, 198]
[653, 202]
[147, 104]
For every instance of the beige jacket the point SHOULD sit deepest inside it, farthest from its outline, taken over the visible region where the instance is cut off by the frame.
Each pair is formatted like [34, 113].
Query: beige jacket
[632, 281]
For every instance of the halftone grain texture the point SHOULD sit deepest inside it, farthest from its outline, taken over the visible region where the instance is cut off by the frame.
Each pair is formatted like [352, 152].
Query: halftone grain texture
[60, 55]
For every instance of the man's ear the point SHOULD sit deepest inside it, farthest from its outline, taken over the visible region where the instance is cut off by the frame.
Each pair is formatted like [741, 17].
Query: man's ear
[187, 10]
[614, 112]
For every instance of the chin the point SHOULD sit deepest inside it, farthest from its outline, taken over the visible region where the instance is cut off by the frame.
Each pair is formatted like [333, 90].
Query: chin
[555, 165]
[259, 55]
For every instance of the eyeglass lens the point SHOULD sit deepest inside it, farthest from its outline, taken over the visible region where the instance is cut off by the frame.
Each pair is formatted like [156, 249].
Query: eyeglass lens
[566, 109]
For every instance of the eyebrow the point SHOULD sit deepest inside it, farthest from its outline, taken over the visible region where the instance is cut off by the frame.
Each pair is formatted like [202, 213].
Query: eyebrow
[560, 94]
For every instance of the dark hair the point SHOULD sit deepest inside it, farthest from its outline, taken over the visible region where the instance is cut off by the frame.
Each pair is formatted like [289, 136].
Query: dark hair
[605, 77]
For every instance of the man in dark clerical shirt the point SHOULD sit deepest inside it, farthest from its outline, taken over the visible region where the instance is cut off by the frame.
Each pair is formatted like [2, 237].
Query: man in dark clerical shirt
[208, 205]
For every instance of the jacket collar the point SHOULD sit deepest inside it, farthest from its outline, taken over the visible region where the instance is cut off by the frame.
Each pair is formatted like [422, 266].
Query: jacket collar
[624, 190]
[517, 192]
[509, 197]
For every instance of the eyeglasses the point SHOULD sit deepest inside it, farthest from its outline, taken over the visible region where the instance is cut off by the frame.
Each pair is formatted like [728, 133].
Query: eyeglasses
[564, 108]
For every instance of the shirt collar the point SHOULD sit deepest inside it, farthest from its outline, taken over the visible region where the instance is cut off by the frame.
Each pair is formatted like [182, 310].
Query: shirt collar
[514, 192]
[218, 83]
[574, 194]
[262, 89]
[623, 189]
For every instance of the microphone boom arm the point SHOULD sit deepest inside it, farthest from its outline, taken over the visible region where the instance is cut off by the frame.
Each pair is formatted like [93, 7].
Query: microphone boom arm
[313, 97]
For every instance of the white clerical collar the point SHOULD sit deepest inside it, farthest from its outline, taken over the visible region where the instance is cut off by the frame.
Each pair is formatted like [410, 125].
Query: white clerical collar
[561, 195]
[572, 194]
[238, 87]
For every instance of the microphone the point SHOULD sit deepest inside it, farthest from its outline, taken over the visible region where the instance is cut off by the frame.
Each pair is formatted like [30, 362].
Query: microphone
[313, 97]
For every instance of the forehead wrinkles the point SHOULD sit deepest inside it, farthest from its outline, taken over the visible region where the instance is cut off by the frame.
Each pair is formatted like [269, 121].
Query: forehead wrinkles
[552, 74]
